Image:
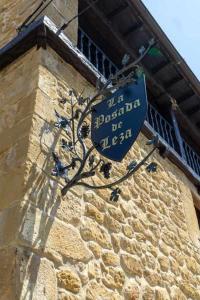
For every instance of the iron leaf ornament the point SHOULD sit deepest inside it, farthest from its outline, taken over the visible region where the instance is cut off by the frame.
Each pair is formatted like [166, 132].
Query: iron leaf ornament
[84, 163]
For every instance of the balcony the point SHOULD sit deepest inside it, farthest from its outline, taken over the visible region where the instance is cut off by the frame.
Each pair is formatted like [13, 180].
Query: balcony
[154, 119]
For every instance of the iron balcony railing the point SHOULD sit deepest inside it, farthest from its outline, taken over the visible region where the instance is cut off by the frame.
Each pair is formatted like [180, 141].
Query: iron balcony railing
[106, 67]
[95, 55]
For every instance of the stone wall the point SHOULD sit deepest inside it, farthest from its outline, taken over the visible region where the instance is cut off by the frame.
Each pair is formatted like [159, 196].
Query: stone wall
[83, 246]
[14, 12]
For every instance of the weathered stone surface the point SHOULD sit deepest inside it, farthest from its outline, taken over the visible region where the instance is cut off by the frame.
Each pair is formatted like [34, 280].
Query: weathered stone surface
[114, 278]
[116, 213]
[153, 250]
[95, 200]
[112, 224]
[92, 212]
[37, 276]
[153, 278]
[70, 210]
[149, 261]
[178, 257]
[65, 296]
[148, 293]
[98, 291]
[8, 272]
[115, 242]
[69, 280]
[192, 265]
[63, 240]
[164, 248]
[164, 263]
[90, 231]
[82, 272]
[128, 231]
[131, 265]
[175, 267]
[189, 290]
[162, 294]
[176, 294]
[110, 259]
[131, 291]
[137, 225]
[95, 248]
[127, 208]
[130, 246]
[94, 270]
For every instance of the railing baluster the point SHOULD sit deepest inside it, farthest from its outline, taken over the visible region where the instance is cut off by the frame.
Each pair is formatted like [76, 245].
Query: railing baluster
[89, 50]
[195, 161]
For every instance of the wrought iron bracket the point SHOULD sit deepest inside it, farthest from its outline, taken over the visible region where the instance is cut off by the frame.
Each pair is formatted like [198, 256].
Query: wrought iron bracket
[84, 163]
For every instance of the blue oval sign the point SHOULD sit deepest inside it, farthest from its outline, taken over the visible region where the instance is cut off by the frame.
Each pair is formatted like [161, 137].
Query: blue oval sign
[117, 120]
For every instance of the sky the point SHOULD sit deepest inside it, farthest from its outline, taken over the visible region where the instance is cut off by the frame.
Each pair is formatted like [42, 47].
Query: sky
[180, 20]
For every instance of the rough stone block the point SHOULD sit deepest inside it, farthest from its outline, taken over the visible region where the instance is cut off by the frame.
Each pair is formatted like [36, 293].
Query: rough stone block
[53, 237]
[7, 274]
[110, 259]
[164, 263]
[94, 270]
[68, 280]
[114, 278]
[130, 246]
[131, 265]
[95, 248]
[148, 293]
[116, 213]
[95, 200]
[112, 224]
[128, 231]
[131, 291]
[153, 278]
[96, 290]
[94, 213]
[91, 231]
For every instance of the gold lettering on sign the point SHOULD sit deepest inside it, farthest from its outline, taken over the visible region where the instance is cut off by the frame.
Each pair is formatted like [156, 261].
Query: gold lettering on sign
[114, 115]
[107, 142]
[99, 121]
[128, 134]
[111, 102]
[120, 99]
[114, 140]
[121, 111]
[116, 126]
[121, 138]
[136, 103]
[107, 119]
[128, 107]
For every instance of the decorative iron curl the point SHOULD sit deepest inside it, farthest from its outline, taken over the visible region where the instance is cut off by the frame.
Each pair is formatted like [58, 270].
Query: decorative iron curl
[83, 162]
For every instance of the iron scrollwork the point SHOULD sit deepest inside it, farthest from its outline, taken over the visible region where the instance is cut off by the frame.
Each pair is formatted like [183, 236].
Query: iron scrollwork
[84, 163]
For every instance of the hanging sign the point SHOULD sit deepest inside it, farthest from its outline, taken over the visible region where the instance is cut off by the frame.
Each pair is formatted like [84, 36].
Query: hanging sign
[117, 120]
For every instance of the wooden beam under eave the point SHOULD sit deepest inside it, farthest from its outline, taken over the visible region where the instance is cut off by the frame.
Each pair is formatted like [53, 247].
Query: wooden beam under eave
[173, 82]
[185, 97]
[196, 116]
[134, 28]
[160, 67]
[117, 11]
[190, 112]
[186, 104]
[123, 43]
